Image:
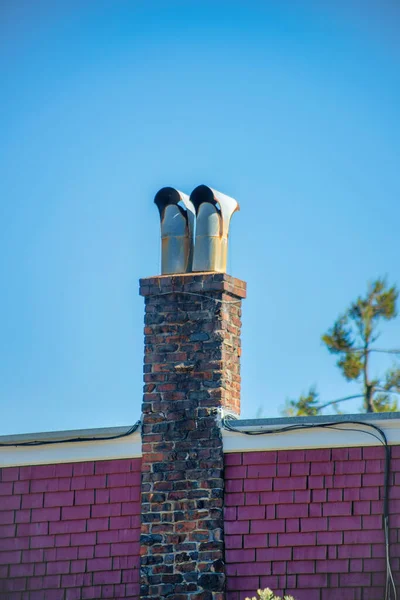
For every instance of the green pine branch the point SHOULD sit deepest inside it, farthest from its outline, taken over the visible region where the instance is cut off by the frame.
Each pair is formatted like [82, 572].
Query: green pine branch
[350, 338]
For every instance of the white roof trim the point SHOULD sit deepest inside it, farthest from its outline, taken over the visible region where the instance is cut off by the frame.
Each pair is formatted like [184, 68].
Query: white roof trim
[346, 435]
[129, 446]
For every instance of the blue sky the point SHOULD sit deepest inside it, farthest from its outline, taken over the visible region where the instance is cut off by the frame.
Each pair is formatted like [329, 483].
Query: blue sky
[290, 107]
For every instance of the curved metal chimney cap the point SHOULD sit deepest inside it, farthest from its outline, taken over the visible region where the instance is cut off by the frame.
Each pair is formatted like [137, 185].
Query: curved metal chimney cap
[169, 195]
[227, 205]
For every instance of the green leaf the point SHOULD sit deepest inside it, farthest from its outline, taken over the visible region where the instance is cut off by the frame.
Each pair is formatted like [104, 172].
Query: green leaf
[339, 338]
[305, 406]
[384, 403]
[351, 365]
[383, 299]
[392, 379]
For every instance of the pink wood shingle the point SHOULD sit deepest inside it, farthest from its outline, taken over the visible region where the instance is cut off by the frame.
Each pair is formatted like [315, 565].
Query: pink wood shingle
[52, 518]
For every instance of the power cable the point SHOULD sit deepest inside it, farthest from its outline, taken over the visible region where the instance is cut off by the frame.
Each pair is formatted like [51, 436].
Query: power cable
[74, 440]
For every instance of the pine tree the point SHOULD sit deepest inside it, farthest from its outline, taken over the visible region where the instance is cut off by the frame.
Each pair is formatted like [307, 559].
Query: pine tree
[351, 339]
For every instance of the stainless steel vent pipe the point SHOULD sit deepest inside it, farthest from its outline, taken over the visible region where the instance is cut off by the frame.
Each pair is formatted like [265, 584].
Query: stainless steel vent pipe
[206, 251]
[177, 216]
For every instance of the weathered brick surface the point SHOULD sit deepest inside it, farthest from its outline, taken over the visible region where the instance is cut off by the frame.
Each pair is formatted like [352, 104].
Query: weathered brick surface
[313, 529]
[70, 531]
[192, 356]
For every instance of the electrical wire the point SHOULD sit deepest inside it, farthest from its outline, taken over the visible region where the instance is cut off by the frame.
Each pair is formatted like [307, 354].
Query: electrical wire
[390, 586]
[74, 440]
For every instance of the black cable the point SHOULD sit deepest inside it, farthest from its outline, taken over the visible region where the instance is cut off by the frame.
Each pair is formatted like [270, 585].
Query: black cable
[390, 584]
[73, 440]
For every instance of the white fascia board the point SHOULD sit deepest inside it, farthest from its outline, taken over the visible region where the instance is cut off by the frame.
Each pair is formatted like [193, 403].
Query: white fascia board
[129, 446]
[64, 451]
[341, 436]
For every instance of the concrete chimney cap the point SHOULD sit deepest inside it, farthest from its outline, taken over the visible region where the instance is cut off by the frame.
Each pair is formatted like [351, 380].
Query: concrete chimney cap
[170, 196]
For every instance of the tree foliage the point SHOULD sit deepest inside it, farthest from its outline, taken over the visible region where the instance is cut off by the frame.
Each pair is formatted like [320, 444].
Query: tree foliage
[351, 338]
[305, 406]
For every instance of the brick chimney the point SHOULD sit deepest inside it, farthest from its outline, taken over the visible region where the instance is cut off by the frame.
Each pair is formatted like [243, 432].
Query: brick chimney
[191, 371]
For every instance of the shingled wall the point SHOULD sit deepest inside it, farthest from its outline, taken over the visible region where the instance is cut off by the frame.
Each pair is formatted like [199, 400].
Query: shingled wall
[309, 523]
[303, 521]
[70, 531]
